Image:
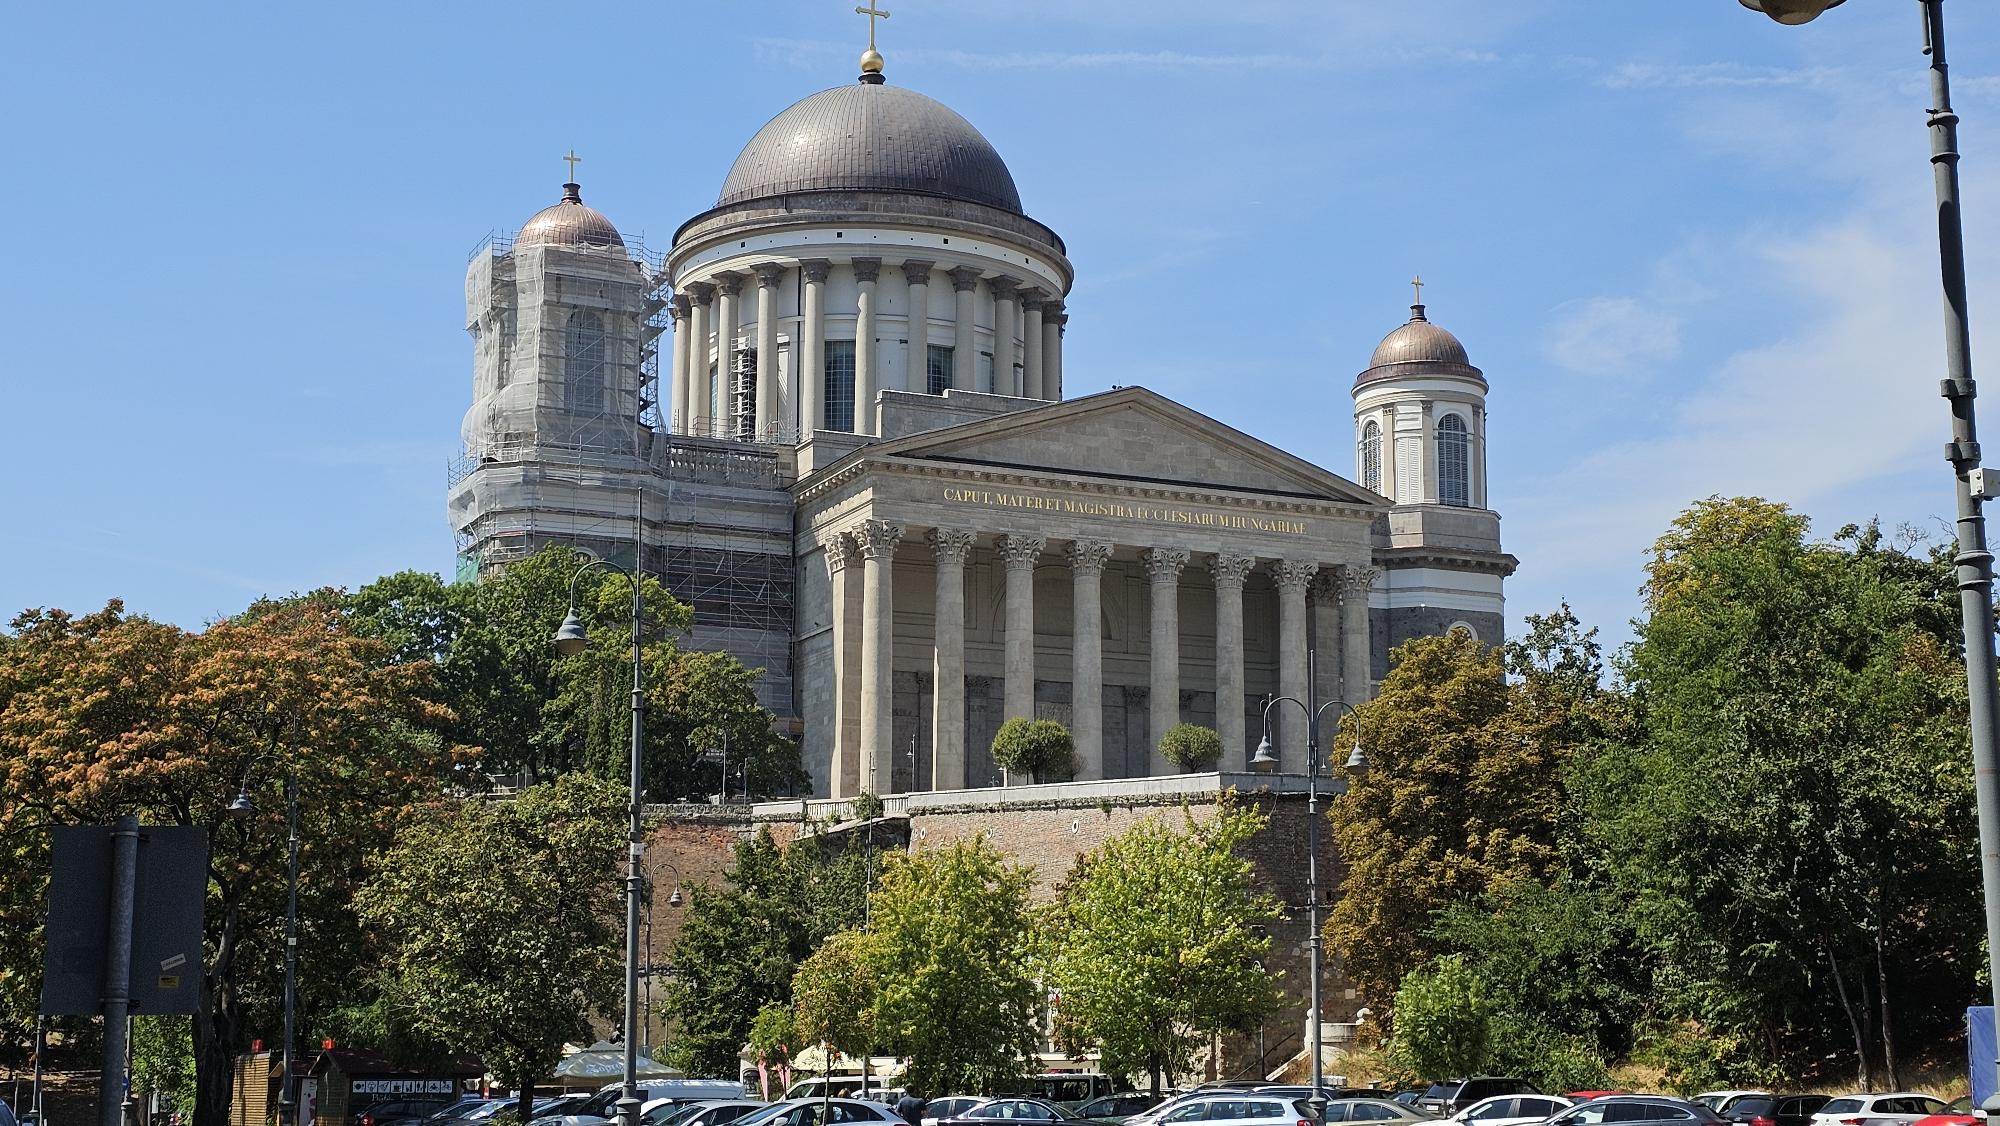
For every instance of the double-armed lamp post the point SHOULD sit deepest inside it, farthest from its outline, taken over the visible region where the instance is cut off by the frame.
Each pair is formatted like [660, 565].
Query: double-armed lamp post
[1357, 761]
[570, 640]
[1975, 485]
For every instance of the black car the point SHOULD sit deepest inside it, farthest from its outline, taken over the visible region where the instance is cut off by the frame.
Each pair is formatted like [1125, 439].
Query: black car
[1453, 1095]
[1774, 1110]
[1637, 1108]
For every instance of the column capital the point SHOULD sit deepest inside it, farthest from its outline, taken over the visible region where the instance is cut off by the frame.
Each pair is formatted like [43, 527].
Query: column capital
[680, 306]
[964, 278]
[953, 545]
[729, 283]
[770, 274]
[1020, 552]
[1325, 586]
[866, 269]
[877, 539]
[1293, 574]
[840, 551]
[1053, 307]
[1034, 299]
[1088, 557]
[1358, 580]
[815, 269]
[1004, 288]
[1164, 563]
[701, 293]
[918, 272]
[1230, 571]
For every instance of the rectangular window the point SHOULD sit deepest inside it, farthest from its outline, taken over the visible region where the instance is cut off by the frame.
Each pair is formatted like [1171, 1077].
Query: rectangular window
[939, 372]
[840, 385]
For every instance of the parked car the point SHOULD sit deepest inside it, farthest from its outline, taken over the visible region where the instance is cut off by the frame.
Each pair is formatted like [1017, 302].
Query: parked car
[1897, 1108]
[1637, 1108]
[1957, 1112]
[1410, 1097]
[1774, 1110]
[1247, 1107]
[1014, 1110]
[949, 1106]
[1373, 1110]
[1511, 1110]
[1069, 1089]
[822, 1112]
[1453, 1095]
[1719, 1101]
[398, 1110]
[1302, 1091]
[1118, 1106]
[708, 1112]
[560, 1105]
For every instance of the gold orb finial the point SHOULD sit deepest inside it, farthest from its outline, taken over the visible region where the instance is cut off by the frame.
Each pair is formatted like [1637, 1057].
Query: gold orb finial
[871, 61]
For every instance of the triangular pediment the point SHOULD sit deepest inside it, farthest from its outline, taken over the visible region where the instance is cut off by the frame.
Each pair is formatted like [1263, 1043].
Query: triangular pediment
[1129, 434]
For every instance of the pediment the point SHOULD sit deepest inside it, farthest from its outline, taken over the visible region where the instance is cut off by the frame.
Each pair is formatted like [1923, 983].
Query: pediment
[1129, 434]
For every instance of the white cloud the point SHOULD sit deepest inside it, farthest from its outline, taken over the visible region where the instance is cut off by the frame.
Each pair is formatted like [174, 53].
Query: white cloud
[1612, 335]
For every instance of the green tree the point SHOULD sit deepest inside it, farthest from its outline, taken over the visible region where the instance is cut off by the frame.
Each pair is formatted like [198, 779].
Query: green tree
[1191, 747]
[1462, 795]
[958, 994]
[1443, 1024]
[772, 1035]
[1039, 748]
[740, 945]
[835, 990]
[498, 922]
[1155, 943]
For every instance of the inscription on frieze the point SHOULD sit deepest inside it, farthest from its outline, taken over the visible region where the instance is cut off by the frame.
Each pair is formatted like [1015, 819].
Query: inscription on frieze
[1122, 510]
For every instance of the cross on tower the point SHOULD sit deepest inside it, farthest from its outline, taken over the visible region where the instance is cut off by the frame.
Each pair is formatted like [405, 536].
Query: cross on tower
[872, 12]
[1417, 283]
[573, 159]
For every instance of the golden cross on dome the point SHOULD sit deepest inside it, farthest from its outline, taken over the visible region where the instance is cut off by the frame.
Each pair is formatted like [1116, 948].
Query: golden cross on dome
[573, 159]
[872, 12]
[1417, 283]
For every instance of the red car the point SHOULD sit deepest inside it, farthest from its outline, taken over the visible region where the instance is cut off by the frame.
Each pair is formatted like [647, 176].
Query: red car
[1958, 1113]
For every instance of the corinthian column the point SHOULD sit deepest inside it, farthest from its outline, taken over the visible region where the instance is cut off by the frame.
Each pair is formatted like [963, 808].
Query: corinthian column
[1293, 577]
[677, 422]
[877, 540]
[1019, 554]
[1323, 632]
[701, 393]
[866, 381]
[1086, 561]
[1357, 659]
[1053, 320]
[810, 361]
[965, 346]
[843, 565]
[1229, 572]
[1004, 381]
[769, 277]
[917, 357]
[1164, 566]
[728, 287]
[952, 546]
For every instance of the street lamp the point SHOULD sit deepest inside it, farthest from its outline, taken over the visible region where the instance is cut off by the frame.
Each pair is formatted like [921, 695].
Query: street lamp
[242, 809]
[571, 639]
[1791, 11]
[1357, 761]
[1975, 485]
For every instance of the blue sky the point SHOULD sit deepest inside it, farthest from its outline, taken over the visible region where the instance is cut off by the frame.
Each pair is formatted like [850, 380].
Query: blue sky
[1690, 248]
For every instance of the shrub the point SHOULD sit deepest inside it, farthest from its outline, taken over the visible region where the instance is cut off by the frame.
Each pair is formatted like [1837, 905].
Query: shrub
[865, 806]
[1191, 747]
[1443, 1023]
[1039, 748]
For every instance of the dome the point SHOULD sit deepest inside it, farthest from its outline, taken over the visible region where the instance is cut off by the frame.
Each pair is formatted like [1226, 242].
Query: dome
[871, 136]
[569, 223]
[1418, 347]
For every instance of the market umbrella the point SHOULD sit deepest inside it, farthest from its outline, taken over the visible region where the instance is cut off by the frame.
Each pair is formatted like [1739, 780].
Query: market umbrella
[606, 1060]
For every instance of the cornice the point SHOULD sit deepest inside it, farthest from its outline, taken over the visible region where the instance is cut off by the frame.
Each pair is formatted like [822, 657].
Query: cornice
[1403, 558]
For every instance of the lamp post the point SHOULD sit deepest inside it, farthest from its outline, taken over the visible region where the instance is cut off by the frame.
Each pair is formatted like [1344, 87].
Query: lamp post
[1357, 760]
[570, 639]
[1974, 561]
[243, 809]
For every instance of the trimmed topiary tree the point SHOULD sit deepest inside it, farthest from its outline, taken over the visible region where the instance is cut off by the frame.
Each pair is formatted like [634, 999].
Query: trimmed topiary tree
[1040, 748]
[1191, 747]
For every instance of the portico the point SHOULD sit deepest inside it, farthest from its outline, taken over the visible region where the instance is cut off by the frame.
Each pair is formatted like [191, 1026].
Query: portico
[1118, 563]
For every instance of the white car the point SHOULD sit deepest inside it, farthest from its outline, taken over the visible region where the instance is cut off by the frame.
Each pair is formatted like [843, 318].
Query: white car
[1894, 1109]
[1512, 1110]
[823, 1112]
[1250, 1108]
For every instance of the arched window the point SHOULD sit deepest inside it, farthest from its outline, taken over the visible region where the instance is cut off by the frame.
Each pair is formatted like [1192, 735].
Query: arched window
[584, 363]
[1454, 462]
[1371, 455]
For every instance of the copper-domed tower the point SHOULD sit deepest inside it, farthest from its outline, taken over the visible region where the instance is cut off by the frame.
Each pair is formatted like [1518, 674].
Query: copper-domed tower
[1420, 440]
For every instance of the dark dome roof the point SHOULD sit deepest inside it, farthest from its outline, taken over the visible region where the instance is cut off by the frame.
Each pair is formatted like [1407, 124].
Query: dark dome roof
[569, 223]
[1418, 348]
[871, 136]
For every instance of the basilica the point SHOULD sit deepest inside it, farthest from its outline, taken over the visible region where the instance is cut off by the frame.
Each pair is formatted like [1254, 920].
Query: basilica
[834, 416]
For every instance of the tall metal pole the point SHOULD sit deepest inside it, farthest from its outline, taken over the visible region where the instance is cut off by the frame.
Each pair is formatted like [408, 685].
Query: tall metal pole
[288, 1108]
[629, 1102]
[41, 1041]
[1312, 870]
[118, 970]
[1975, 561]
